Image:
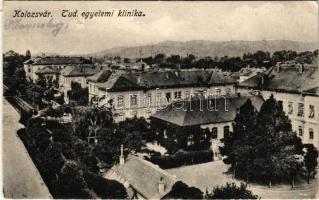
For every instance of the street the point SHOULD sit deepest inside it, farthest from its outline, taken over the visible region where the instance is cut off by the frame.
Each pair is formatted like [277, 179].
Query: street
[212, 174]
[21, 178]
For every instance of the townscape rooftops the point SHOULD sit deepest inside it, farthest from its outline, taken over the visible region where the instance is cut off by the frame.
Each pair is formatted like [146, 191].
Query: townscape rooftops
[143, 176]
[287, 79]
[167, 79]
[205, 111]
[101, 76]
[48, 70]
[71, 71]
[57, 60]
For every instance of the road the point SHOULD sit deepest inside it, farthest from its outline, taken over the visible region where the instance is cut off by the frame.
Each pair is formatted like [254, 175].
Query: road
[21, 178]
[212, 174]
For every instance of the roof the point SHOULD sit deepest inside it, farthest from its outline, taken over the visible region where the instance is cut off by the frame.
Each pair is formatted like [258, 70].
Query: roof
[287, 79]
[101, 76]
[79, 71]
[202, 111]
[143, 176]
[169, 79]
[48, 70]
[313, 91]
[58, 60]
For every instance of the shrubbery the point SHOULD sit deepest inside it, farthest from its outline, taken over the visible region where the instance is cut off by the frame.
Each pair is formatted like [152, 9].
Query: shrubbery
[182, 158]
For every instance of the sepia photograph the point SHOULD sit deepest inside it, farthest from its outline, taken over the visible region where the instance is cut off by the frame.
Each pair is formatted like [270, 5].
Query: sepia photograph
[160, 99]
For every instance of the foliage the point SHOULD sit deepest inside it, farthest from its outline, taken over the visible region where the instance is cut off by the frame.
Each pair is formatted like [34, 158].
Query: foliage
[311, 160]
[79, 94]
[230, 191]
[182, 191]
[182, 158]
[254, 59]
[106, 189]
[263, 147]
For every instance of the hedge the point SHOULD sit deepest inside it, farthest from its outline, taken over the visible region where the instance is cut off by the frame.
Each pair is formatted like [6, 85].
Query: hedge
[182, 158]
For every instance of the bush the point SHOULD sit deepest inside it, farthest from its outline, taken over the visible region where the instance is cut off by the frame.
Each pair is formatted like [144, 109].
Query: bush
[231, 191]
[106, 189]
[182, 158]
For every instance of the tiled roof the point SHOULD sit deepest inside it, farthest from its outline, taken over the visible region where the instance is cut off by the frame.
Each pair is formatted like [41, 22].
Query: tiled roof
[287, 79]
[202, 111]
[101, 76]
[169, 79]
[60, 60]
[312, 91]
[79, 71]
[48, 70]
[143, 176]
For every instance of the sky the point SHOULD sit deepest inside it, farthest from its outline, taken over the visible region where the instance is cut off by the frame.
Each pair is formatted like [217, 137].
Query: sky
[175, 21]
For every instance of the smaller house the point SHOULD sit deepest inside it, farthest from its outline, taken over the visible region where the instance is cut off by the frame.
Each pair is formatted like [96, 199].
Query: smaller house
[142, 179]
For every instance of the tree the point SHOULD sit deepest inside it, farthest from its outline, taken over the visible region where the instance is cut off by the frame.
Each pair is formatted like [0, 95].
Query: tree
[72, 182]
[311, 161]
[238, 145]
[79, 94]
[28, 55]
[230, 191]
[182, 191]
[276, 145]
[106, 189]
[264, 142]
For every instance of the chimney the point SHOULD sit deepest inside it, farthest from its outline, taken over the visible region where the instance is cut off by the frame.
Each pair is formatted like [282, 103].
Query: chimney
[122, 161]
[278, 67]
[161, 186]
[300, 68]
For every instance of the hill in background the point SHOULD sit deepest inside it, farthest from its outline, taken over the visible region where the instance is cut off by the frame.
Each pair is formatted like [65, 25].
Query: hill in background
[204, 48]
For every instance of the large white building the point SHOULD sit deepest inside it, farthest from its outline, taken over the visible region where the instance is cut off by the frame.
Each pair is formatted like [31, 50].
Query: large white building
[51, 66]
[142, 94]
[296, 87]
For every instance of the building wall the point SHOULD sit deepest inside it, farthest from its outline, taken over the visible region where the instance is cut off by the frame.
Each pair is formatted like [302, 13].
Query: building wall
[303, 123]
[149, 101]
[220, 128]
[66, 81]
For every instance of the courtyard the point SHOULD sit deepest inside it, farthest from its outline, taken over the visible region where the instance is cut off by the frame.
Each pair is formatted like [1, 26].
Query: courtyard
[208, 175]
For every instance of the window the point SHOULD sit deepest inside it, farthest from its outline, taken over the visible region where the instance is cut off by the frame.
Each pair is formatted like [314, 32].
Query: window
[300, 109]
[300, 131]
[217, 91]
[120, 101]
[214, 132]
[226, 130]
[311, 133]
[311, 111]
[168, 96]
[29, 70]
[133, 100]
[228, 91]
[187, 94]
[178, 95]
[280, 103]
[158, 97]
[290, 108]
[149, 99]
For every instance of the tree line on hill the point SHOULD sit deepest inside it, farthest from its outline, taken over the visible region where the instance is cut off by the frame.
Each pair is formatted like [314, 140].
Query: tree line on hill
[258, 59]
[264, 149]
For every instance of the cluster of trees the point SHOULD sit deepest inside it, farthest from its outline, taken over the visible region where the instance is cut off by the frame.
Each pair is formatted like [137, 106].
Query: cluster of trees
[264, 149]
[95, 125]
[257, 59]
[78, 94]
[230, 191]
[181, 190]
[68, 164]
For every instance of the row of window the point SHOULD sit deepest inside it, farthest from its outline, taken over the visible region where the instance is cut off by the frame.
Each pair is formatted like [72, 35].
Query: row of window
[168, 96]
[301, 108]
[311, 132]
